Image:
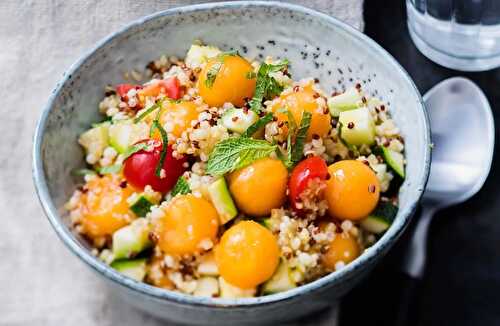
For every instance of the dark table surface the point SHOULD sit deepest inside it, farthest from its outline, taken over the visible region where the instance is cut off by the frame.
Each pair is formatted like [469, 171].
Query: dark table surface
[462, 281]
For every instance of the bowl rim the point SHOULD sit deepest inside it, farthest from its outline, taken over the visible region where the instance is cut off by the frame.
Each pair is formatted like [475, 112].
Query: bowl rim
[101, 268]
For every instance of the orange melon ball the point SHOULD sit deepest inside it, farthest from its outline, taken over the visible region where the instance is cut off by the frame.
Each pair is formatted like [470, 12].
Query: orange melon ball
[352, 191]
[344, 248]
[176, 117]
[104, 206]
[247, 255]
[188, 224]
[231, 82]
[259, 187]
[297, 103]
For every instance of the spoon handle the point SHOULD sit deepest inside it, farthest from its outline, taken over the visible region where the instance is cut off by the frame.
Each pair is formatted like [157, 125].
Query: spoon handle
[413, 270]
[416, 253]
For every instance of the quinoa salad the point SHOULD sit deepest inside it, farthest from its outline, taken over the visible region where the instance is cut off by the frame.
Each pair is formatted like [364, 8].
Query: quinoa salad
[222, 176]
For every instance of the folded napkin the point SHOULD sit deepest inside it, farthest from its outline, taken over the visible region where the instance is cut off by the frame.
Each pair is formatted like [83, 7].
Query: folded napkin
[41, 282]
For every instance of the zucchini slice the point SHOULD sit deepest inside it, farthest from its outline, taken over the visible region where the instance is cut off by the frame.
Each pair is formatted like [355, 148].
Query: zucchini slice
[230, 291]
[394, 159]
[349, 100]
[380, 219]
[131, 239]
[357, 127]
[238, 120]
[95, 140]
[266, 222]
[126, 133]
[222, 201]
[375, 224]
[135, 269]
[142, 205]
[280, 281]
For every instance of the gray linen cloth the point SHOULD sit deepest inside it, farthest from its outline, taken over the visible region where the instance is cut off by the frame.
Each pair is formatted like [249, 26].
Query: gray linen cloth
[41, 282]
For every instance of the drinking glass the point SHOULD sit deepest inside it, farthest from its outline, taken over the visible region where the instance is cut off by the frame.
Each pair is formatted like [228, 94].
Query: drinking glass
[458, 34]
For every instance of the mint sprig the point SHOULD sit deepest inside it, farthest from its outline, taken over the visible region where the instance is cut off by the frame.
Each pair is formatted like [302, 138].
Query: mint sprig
[295, 139]
[212, 74]
[164, 139]
[215, 68]
[300, 138]
[235, 153]
[148, 111]
[181, 187]
[267, 86]
[134, 149]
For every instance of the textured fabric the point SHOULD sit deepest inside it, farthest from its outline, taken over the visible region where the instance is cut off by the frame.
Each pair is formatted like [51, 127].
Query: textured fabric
[41, 282]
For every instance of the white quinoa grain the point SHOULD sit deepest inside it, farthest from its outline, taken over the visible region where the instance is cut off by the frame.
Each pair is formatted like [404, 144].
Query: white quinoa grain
[346, 225]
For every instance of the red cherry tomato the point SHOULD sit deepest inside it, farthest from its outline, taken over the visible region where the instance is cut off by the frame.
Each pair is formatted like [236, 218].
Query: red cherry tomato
[172, 87]
[308, 169]
[122, 89]
[139, 168]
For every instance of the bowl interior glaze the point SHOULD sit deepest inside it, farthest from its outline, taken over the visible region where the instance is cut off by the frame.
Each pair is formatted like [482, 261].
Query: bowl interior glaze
[316, 45]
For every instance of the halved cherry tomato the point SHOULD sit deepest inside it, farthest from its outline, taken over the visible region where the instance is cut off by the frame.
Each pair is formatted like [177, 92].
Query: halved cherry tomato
[170, 87]
[122, 90]
[308, 169]
[139, 168]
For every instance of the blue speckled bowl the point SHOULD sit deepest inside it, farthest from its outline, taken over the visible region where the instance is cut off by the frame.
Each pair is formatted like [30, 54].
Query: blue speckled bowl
[316, 44]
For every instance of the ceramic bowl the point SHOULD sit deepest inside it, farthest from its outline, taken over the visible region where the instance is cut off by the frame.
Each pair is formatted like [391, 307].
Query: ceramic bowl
[316, 44]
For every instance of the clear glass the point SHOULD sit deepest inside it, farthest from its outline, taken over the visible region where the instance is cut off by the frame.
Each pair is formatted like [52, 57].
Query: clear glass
[458, 34]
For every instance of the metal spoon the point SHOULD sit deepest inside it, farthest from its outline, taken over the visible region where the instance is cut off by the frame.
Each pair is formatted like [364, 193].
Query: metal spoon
[463, 134]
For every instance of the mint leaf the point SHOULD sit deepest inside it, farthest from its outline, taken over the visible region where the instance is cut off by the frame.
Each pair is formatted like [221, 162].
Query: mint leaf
[292, 124]
[224, 54]
[164, 140]
[214, 70]
[295, 139]
[235, 153]
[257, 125]
[266, 86]
[212, 74]
[133, 149]
[181, 187]
[287, 158]
[300, 138]
[148, 111]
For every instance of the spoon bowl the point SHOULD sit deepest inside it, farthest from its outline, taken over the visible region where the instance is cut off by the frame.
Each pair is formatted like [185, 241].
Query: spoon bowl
[463, 136]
